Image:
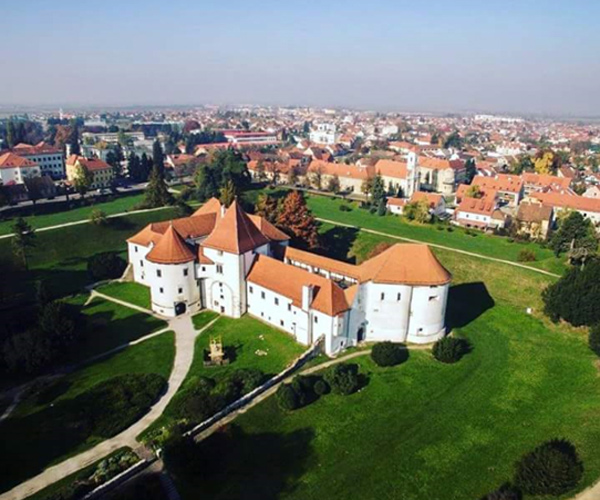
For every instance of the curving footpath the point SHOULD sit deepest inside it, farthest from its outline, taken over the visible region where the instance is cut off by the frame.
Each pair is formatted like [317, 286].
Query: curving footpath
[185, 336]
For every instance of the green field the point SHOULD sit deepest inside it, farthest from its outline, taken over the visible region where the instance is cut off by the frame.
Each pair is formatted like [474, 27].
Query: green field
[423, 429]
[44, 428]
[241, 338]
[128, 291]
[203, 318]
[117, 206]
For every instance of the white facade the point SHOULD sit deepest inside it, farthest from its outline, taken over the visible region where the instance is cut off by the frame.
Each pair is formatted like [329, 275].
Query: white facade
[51, 164]
[325, 133]
[17, 175]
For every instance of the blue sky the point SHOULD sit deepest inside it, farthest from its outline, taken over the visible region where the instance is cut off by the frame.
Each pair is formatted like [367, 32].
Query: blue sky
[433, 55]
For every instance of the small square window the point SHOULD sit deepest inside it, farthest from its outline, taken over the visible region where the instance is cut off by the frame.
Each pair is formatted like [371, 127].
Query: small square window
[141, 263]
[262, 295]
[203, 269]
[185, 272]
[316, 319]
[135, 249]
[281, 322]
[161, 289]
[159, 273]
[180, 290]
[289, 307]
[276, 301]
[219, 269]
[399, 297]
[383, 296]
[251, 289]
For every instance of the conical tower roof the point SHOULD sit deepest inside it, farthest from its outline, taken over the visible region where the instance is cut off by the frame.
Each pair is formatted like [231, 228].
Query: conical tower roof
[235, 232]
[171, 249]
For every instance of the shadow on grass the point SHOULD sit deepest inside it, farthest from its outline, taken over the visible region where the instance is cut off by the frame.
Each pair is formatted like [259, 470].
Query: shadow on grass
[235, 464]
[337, 242]
[466, 303]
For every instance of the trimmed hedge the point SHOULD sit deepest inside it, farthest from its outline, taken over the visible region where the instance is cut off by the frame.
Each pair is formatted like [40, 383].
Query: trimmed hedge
[553, 468]
[450, 349]
[594, 339]
[343, 378]
[388, 354]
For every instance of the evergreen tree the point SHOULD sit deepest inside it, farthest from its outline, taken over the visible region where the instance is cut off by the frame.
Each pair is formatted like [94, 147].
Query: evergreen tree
[145, 167]
[83, 180]
[297, 220]
[378, 198]
[158, 157]
[11, 134]
[471, 170]
[23, 239]
[134, 167]
[576, 231]
[74, 148]
[157, 193]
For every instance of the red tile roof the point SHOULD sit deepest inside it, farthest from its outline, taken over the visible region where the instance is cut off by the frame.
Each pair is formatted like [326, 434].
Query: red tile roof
[171, 249]
[11, 160]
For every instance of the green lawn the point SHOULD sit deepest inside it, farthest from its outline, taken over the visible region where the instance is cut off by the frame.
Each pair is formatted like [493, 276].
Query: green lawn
[60, 257]
[128, 291]
[108, 325]
[243, 337]
[119, 205]
[203, 318]
[420, 430]
[50, 424]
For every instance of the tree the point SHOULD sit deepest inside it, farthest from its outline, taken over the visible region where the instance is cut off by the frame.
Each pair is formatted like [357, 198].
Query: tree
[544, 162]
[378, 191]
[134, 168]
[297, 220]
[287, 399]
[454, 140]
[98, 217]
[260, 171]
[505, 492]
[388, 354]
[74, 147]
[158, 157]
[227, 193]
[334, 184]
[343, 378]
[11, 134]
[473, 191]
[267, 207]
[106, 265]
[417, 211]
[83, 179]
[23, 239]
[553, 468]
[367, 186]
[594, 339]
[574, 232]
[471, 169]
[450, 349]
[157, 192]
[316, 178]
[575, 296]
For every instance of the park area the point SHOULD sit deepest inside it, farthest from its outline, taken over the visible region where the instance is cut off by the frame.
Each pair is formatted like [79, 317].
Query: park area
[422, 429]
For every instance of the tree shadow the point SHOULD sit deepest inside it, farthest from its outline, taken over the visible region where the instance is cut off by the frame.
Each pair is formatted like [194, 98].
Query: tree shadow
[235, 464]
[337, 242]
[466, 302]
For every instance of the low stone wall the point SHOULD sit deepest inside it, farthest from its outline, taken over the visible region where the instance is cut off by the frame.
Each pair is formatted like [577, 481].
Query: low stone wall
[247, 398]
[119, 479]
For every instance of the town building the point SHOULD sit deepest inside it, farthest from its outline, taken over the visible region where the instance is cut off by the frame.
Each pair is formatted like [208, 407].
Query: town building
[439, 175]
[234, 263]
[14, 169]
[103, 173]
[534, 219]
[324, 133]
[50, 159]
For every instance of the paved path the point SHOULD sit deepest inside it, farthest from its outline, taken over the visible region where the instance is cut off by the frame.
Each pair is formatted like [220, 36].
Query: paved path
[185, 336]
[443, 247]
[591, 493]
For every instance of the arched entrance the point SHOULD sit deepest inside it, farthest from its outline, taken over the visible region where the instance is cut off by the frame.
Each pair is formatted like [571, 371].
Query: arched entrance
[180, 308]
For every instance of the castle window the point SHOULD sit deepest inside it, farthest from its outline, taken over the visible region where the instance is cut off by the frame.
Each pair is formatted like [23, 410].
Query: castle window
[316, 319]
[219, 252]
[289, 307]
[219, 269]
[135, 249]
[281, 322]
[161, 290]
[159, 273]
[432, 298]
[382, 296]
[185, 272]
[251, 289]
[180, 290]
[399, 297]
[141, 263]
[276, 301]
[203, 269]
[262, 295]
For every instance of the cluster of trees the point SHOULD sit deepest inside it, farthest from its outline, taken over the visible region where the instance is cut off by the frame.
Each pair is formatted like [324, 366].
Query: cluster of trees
[224, 167]
[292, 216]
[340, 379]
[374, 189]
[417, 211]
[139, 168]
[575, 234]
[17, 131]
[551, 469]
[42, 345]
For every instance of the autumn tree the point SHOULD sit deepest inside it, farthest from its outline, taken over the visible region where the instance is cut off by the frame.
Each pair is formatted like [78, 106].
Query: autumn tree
[473, 191]
[23, 239]
[267, 207]
[227, 193]
[83, 179]
[334, 184]
[417, 211]
[544, 163]
[297, 220]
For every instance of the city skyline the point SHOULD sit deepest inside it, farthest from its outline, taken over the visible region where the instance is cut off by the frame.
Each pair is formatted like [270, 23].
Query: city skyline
[509, 58]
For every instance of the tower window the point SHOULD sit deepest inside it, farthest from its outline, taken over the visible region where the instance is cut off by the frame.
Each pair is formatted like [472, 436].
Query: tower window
[276, 301]
[382, 296]
[399, 297]
[159, 273]
[262, 295]
[180, 290]
[185, 272]
[251, 289]
[161, 290]
[219, 269]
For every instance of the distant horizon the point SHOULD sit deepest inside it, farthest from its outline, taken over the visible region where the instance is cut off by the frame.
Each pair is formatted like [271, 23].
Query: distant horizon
[502, 57]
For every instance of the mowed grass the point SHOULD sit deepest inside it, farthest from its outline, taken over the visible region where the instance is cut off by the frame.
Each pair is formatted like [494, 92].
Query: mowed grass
[242, 339]
[108, 325]
[128, 291]
[492, 246]
[29, 436]
[419, 430]
[60, 257]
[203, 318]
[117, 206]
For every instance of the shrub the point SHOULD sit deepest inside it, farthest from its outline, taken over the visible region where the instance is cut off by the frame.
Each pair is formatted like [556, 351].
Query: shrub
[449, 229]
[107, 265]
[98, 217]
[388, 354]
[526, 255]
[287, 398]
[594, 339]
[505, 492]
[343, 378]
[345, 208]
[321, 387]
[450, 349]
[552, 468]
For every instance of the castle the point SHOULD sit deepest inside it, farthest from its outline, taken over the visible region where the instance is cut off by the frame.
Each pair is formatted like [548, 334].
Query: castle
[235, 263]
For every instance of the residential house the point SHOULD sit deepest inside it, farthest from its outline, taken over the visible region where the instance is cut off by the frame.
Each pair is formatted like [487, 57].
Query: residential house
[103, 173]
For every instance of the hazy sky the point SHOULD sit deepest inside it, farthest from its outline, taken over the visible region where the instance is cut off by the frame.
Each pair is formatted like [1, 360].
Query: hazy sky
[522, 56]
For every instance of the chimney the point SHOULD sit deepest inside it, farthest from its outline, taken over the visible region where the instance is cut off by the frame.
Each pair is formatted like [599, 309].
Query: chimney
[307, 297]
[223, 210]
